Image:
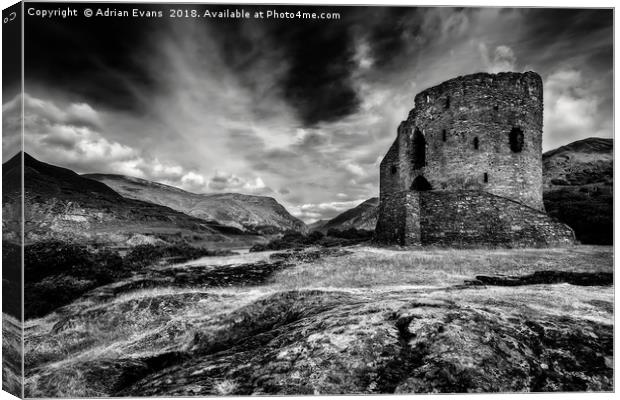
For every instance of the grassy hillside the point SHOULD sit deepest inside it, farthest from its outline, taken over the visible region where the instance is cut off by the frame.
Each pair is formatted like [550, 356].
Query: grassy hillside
[578, 189]
[361, 217]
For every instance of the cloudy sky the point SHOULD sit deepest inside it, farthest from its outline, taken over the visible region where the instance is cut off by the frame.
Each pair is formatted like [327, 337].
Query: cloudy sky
[302, 111]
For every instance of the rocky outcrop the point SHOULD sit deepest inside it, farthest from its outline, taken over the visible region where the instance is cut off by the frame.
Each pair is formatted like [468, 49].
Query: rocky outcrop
[220, 329]
[549, 277]
[314, 342]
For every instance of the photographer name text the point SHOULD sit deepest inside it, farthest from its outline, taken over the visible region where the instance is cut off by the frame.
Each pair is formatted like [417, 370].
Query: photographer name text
[236, 13]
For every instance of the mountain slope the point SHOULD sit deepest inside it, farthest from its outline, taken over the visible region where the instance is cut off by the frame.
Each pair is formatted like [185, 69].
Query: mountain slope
[255, 214]
[317, 225]
[363, 216]
[584, 162]
[60, 204]
[578, 188]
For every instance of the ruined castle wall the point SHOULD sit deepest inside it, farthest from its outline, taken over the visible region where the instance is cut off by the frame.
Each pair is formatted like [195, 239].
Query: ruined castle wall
[389, 172]
[477, 140]
[465, 218]
[405, 165]
[399, 219]
[483, 108]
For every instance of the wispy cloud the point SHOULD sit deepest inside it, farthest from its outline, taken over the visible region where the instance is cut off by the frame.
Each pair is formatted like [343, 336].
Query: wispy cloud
[326, 210]
[71, 135]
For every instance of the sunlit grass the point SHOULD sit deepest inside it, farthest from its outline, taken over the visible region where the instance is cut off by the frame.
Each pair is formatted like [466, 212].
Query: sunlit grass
[369, 267]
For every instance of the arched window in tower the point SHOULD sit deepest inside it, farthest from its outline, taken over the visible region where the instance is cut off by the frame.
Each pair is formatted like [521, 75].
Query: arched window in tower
[516, 139]
[419, 149]
[486, 177]
[444, 135]
[394, 169]
[476, 143]
[420, 184]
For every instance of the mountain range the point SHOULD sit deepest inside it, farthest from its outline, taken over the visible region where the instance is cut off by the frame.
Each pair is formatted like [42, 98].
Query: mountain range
[61, 204]
[251, 214]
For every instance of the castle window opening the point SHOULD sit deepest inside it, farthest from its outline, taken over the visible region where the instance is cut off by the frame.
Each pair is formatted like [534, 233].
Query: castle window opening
[444, 135]
[516, 139]
[476, 143]
[419, 149]
[393, 169]
[447, 102]
[486, 177]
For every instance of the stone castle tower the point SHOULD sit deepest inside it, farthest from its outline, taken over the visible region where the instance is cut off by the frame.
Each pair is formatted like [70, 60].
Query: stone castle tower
[466, 167]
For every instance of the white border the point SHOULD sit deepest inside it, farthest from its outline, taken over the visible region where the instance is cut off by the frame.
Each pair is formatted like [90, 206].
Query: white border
[474, 3]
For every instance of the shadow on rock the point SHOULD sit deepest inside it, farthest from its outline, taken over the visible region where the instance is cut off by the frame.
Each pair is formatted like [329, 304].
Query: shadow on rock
[548, 277]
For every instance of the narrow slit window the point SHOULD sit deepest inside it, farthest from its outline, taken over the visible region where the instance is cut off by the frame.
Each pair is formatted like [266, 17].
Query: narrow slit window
[486, 177]
[393, 169]
[447, 102]
[476, 143]
[516, 139]
[444, 135]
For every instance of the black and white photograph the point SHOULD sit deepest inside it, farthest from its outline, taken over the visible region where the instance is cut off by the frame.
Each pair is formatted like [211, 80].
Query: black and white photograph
[209, 199]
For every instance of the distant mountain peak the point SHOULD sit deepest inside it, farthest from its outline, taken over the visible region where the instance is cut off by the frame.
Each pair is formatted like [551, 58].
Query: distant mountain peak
[587, 161]
[588, 145]
[363, 216]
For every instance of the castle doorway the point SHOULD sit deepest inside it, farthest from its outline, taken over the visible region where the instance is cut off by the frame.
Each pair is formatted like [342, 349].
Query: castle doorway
[420, 184]
[419, 149]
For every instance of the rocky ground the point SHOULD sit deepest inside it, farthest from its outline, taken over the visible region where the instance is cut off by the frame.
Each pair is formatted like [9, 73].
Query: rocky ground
[353, 320]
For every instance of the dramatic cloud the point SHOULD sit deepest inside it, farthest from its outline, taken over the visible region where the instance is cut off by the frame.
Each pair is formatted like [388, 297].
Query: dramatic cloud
[572, 108]
[299, 110]
[503, 58]
[71, 135]
[11, 127]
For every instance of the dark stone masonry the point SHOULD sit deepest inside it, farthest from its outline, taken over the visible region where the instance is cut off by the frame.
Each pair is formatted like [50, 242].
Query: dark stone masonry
[466, 167]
